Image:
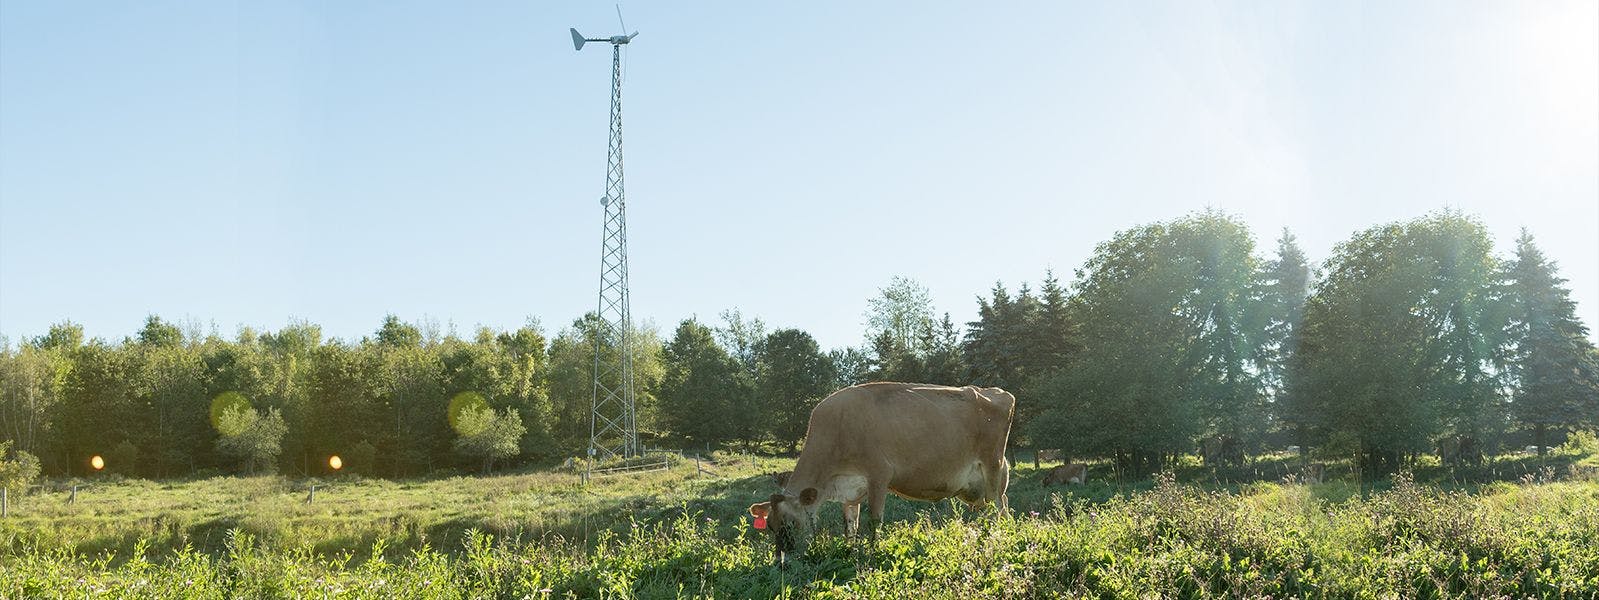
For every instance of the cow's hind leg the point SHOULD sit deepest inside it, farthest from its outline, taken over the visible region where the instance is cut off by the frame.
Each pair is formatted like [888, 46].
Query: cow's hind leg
[852, 518]
[998, 481]
[877, 502]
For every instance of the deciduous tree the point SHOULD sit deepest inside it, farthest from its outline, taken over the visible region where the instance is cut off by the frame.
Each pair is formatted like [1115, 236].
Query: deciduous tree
[489, 436]
[1159, 317]
[251, 438]
[1397, 345]
[700, 390]
[794, 375]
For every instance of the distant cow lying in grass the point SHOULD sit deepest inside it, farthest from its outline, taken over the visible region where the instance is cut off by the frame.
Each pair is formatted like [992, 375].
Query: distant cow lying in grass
[1312, 473]
[781, 478]
[1068, 473]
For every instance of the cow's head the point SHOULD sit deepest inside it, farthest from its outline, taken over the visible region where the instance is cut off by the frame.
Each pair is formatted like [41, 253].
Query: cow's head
[789, 520]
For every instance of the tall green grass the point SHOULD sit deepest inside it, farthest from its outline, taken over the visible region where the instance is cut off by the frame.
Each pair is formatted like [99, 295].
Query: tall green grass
[680, 534]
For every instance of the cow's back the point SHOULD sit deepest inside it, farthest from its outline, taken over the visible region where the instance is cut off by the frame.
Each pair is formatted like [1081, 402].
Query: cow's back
[925, 435]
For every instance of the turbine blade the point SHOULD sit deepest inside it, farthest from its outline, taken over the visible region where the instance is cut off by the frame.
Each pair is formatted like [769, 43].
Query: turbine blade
[577, 39]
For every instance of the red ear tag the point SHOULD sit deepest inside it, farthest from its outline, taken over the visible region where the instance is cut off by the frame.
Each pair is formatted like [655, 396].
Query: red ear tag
[760, 522]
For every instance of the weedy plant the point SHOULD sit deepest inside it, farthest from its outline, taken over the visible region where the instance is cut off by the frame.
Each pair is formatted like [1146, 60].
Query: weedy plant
[1163, 539]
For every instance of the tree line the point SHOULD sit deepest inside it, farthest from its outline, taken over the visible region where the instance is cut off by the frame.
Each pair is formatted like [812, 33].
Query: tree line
[1412, 337]
[1174, 337]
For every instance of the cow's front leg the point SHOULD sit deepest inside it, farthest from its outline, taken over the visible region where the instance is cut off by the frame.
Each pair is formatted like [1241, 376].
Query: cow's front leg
[852, 519]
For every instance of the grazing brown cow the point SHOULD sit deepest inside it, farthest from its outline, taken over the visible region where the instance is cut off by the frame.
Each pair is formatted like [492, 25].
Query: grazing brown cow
[922, 442]
[1069, 473]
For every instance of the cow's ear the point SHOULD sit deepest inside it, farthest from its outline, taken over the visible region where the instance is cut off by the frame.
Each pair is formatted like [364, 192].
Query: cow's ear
[761, 510]
[808, 497]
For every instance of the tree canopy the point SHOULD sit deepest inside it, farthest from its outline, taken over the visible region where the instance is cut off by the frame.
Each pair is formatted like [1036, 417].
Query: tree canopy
[1174, 337]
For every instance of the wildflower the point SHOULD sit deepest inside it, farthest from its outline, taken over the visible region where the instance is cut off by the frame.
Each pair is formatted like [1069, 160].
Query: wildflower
[1033, 513]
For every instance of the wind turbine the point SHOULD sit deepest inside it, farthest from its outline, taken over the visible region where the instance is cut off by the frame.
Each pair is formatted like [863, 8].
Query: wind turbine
[616, 40]
[613, 422]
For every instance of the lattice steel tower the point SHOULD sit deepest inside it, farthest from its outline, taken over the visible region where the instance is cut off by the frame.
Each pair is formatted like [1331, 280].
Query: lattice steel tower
[613, 423]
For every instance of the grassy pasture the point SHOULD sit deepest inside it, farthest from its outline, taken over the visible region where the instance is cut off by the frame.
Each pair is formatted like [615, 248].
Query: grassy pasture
[681, 533]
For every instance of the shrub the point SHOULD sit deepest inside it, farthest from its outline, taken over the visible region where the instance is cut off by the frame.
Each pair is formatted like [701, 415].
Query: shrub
[251, 438]
[18, 470]
[1581, 443]
[362, 458]
[123, 458]
[489, 436]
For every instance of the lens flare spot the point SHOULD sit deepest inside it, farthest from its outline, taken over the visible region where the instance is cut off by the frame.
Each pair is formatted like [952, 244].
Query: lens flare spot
[97, 462]
[335, 462]
[463, 402]
[224, 402]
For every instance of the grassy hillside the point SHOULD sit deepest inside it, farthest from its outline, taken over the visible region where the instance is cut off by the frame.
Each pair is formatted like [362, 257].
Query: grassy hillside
[682, 532]
[349, 514]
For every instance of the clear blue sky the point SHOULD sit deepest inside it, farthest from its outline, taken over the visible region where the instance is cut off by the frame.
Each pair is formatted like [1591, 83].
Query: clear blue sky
[249, 163]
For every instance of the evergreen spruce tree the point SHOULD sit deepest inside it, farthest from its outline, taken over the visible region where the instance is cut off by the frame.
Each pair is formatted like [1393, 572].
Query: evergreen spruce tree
[1284, 287]
[1555, 377]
